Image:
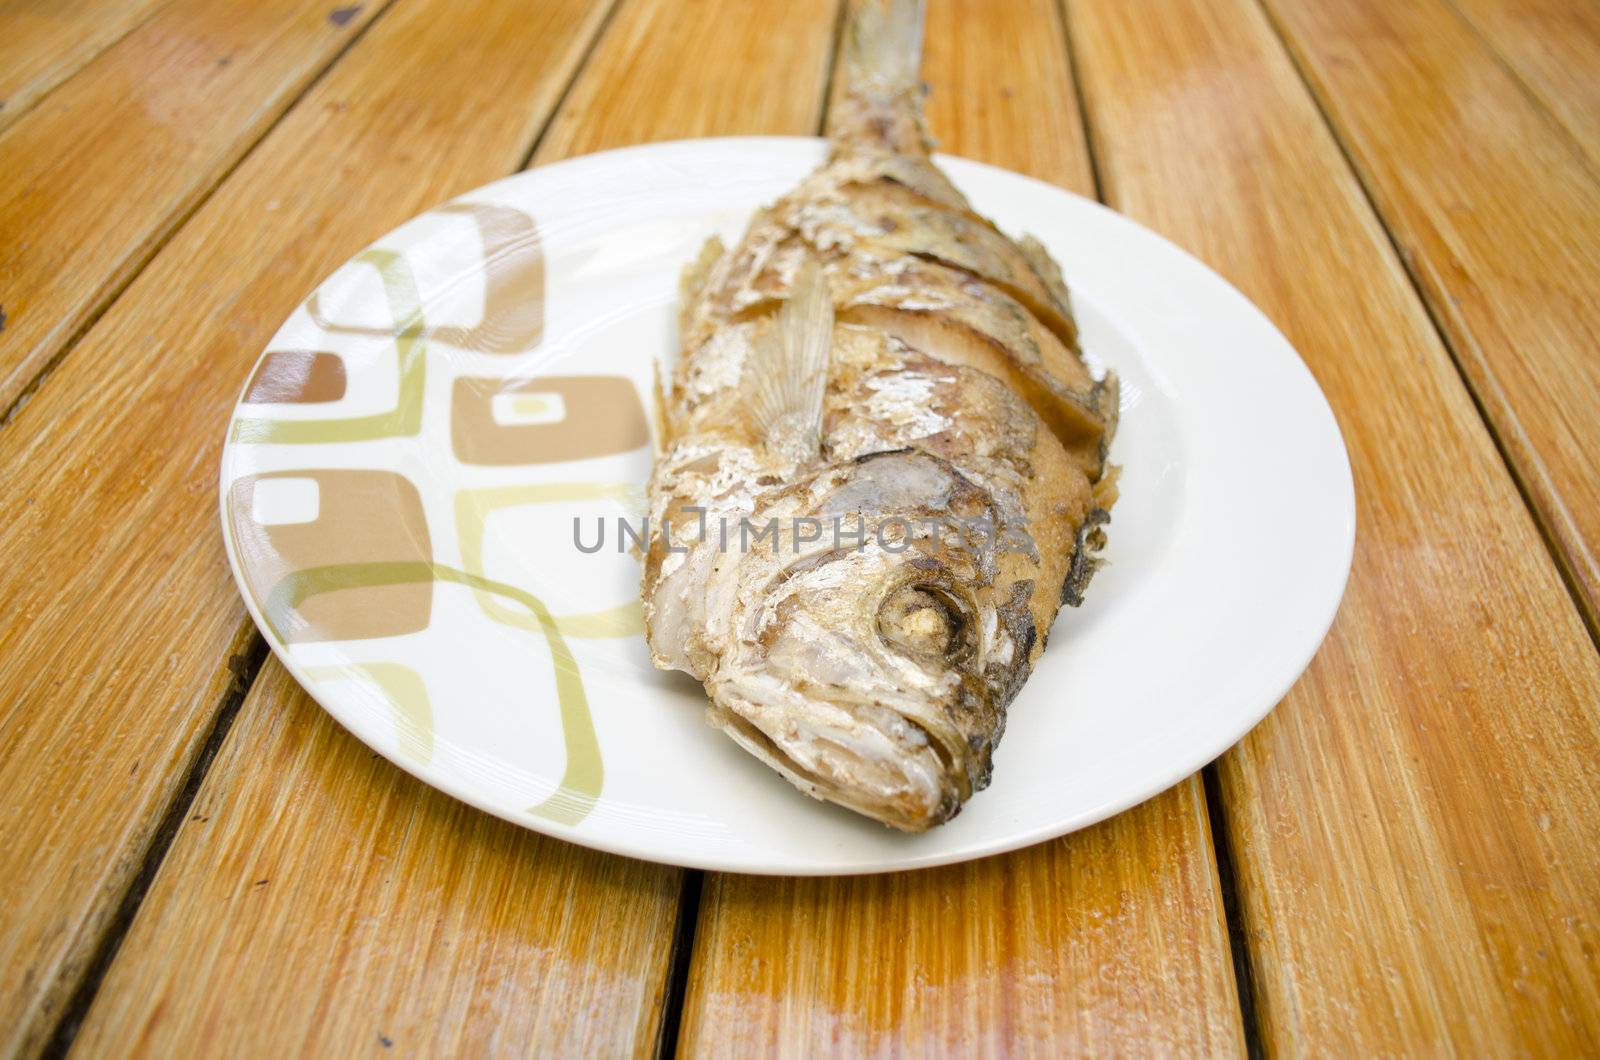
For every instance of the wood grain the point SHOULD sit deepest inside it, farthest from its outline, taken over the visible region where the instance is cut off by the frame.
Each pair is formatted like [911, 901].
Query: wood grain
[1413, 826]
[1111, 940]
[1108, 941]
[402, 919]
[1498, 214]
[45, 41]
[97, 176]
[122, 617]
[1554, 48]
[671, 71]
[1001, 91]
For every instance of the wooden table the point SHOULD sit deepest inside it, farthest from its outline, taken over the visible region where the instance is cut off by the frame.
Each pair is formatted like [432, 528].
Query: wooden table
[1404, 858]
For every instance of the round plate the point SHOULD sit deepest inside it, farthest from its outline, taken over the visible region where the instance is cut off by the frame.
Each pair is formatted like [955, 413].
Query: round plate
[419, 454]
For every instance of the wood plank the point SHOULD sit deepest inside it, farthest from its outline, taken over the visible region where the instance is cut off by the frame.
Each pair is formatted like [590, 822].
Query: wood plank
[348, 907]
[1554, 47]
[121, 619]
[642, 86]
[1413, 826]
[1110, 940]
[1498, 214]
[47, 41]
[1001, 91]
[608, 997]
[97, 176]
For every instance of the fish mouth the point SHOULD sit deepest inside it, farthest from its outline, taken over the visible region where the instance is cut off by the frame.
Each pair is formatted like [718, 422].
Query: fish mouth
[865, 757]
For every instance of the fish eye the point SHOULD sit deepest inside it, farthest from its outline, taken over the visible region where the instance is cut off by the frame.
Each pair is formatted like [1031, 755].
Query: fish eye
[922, 620]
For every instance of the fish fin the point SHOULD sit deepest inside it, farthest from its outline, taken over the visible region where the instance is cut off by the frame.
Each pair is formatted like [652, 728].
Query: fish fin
[663, 419]
[878, 98]
[1108, 401]
[1105, 491]
[786, 374]
[692, 282]
[1091, 538]
[1046, 268]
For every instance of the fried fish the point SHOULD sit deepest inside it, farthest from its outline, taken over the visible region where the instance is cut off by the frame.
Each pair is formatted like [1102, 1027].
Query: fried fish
[882, 464]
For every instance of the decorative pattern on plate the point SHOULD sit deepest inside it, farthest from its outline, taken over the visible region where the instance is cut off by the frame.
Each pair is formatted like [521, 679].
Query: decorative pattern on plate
[338, 554]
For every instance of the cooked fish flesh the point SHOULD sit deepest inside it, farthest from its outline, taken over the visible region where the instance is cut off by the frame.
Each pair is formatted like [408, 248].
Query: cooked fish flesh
[882, 464]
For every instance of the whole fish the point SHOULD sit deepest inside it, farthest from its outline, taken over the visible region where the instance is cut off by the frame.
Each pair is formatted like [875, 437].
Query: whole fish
[882, 464]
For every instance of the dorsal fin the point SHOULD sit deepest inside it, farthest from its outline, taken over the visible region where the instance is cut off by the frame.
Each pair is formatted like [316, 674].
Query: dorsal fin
[787, 372]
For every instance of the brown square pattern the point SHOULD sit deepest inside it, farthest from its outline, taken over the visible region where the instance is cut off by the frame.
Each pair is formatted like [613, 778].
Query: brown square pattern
[359, 517]
[545, 420]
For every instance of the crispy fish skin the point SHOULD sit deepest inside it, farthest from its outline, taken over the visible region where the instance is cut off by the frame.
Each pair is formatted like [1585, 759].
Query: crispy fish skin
[871, 373]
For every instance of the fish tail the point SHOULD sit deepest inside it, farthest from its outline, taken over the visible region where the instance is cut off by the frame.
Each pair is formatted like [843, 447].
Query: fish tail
[877, 100]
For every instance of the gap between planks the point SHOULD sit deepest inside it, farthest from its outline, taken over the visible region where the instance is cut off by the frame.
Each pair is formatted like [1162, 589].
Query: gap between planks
[249, 651]
[1408, 263]
[180, 217]
[1524, 83]
[1228, 883]
[1080, 97]
[32, 95]
[1222, 861]
[1211, 793]
[582, 67]
[688, 925]
[1286, 118]
[682, 962]
[246, 665]
[824, 905]
[247, 659]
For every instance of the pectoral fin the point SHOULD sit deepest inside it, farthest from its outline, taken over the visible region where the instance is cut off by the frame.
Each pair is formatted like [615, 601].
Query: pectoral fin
[787, 372]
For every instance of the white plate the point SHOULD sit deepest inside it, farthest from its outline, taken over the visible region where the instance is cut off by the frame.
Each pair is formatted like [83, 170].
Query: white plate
[403, 472]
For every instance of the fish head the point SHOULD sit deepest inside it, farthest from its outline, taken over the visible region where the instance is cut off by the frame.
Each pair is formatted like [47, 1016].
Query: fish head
[872, 644]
